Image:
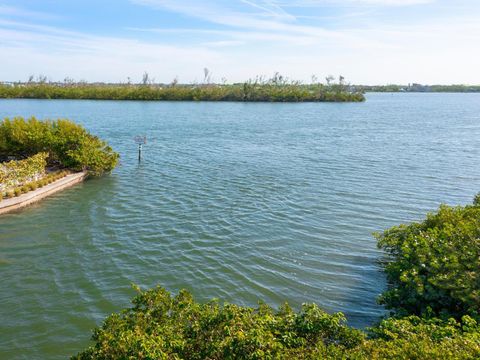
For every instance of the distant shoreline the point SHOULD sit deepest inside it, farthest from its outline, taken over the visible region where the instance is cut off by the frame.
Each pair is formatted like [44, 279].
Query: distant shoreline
[246, 92]
[419, 88]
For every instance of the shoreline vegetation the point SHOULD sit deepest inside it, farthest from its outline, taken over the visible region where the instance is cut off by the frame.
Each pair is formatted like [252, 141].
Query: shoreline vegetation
[260, 89]
[433, 294]
[35, 153]
[419, 88]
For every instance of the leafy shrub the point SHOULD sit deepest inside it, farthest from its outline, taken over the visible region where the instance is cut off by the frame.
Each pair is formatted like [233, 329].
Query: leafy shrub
[10, 194]
[67, 144]
[160, 326]
[433, 266]
[15, 173]
[476, 200]
[418, 338]
[17, 191]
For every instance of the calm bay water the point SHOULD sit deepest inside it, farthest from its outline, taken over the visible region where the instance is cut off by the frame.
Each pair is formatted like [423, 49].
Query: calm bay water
[234, 201]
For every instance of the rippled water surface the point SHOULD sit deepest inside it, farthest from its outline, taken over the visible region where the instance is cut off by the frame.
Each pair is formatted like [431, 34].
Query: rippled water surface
[235, 201]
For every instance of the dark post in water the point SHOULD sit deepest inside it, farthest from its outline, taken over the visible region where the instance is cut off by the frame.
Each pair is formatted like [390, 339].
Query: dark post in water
[140, 140]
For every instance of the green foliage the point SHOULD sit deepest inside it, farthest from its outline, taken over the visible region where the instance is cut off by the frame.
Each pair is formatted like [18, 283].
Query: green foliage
[420, 88]
[14, 173]
[416, 338]
[33, 185]
[433, 266]
[276, 89]
[160, 326]
[67, 144]
[476, 200]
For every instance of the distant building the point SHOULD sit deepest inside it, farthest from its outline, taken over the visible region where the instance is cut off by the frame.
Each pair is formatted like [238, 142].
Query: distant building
[418, 88]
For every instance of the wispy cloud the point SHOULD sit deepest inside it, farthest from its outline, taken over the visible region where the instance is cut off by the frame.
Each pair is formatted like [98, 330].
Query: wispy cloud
[226, 13]
[392, 2]
[342, 3]
[270, 8]
[256, 26]
[240, 39]
[221, 13]
[40, 49]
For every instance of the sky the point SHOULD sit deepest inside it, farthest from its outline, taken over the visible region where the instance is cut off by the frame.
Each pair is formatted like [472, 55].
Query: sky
[366, 41]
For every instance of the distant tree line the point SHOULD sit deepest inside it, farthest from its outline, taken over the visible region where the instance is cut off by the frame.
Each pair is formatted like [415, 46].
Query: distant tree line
[419, 88]
[275, 89]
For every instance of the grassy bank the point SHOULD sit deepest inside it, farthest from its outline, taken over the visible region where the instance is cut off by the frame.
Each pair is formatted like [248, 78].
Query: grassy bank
[433, 294]
[248, 92]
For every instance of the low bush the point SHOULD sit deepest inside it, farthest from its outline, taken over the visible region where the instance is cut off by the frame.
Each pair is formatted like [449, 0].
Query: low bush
[419, 338]
[433, 266]
[16, 173]
[34, 185]
[160, 326]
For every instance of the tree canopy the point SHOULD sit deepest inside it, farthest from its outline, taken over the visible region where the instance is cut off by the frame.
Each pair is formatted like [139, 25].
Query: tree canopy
[68, 145]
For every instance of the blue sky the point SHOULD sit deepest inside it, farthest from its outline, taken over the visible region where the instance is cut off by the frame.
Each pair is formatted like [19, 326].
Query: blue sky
[367, 41]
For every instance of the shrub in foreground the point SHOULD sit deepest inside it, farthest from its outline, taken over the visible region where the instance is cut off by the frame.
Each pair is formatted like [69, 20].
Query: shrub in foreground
[413, 337]
[161, 326]
[433, 266]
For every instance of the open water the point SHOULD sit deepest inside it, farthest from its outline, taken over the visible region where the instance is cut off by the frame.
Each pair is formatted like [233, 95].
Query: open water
[237, 201]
